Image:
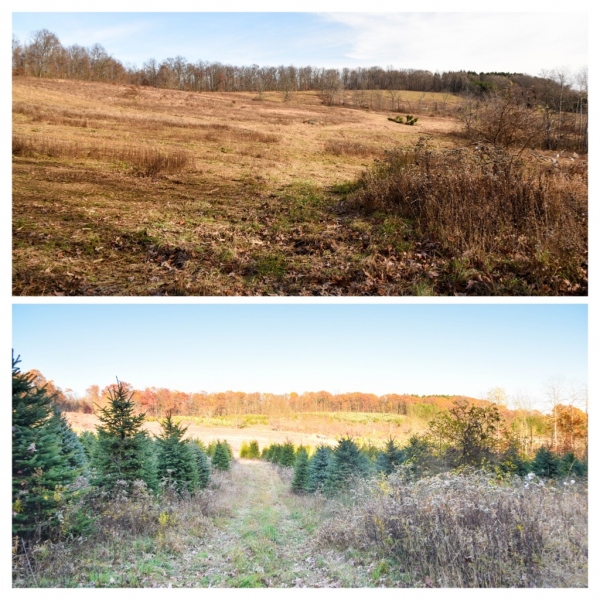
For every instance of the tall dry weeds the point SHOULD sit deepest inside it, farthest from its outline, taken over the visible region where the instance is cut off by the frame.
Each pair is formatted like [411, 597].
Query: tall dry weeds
[470, 530]
[148, 161]
[487, 203]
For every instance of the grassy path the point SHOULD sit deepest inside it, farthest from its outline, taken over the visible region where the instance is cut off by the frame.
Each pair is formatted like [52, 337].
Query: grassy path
[267, 540]
[252, 533]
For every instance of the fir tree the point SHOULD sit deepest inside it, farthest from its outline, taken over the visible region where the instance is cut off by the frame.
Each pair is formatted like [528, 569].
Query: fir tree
[210, 451]
[253, 450]
[88, 441]
[220, 459]
[41, 469]
[274, 453]
[72, 448]
[513, 461]
[418, 455]
[390, 458]
[244, 450]
[570, 465]
[123, 450]
[545, 463]
[198, 450]
[300, 481]
[347, 462]
[228, 449]
[287, 456]
[176, 463]
[318, 469]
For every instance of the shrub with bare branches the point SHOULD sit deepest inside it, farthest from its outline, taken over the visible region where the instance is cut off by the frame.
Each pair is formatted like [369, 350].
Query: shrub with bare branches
[470, 530]
[485, 201]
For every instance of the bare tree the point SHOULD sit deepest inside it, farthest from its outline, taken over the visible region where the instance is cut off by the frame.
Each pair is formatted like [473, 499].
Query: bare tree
[555, 391]
[39, 52]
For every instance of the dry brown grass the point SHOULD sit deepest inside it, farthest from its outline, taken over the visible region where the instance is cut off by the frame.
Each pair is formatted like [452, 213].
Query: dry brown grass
[470, 530]
[490, 205]
[350, 148]
[239, 197]
[302, 429]
[144, 160]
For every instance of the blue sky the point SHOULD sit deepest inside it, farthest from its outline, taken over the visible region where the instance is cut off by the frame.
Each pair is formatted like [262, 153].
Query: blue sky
[478, 41]
[378, 348]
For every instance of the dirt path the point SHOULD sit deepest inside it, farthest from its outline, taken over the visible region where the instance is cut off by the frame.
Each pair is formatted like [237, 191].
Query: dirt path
[268, 541]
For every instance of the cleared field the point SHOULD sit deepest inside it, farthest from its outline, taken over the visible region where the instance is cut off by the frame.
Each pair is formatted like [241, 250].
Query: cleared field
[309, 429]
[120, 190]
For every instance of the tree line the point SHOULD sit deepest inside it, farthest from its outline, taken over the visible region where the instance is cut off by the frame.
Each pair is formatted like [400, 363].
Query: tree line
[44, 56]
[564, 426]
[465, 437]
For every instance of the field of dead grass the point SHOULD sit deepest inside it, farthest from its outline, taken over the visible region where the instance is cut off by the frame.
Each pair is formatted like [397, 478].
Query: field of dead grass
[119, 190]
[308, 429]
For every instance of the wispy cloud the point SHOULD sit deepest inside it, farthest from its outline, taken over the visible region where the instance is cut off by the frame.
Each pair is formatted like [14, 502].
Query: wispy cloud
[525, 42]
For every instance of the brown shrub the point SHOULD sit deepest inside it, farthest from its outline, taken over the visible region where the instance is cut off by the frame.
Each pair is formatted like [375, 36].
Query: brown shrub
[470, 530]
[485, 201]
[147, 161]
[349, 148]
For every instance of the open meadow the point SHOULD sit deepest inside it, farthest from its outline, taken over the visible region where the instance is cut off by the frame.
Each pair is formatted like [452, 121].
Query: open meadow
[307, 429]
[132, 190]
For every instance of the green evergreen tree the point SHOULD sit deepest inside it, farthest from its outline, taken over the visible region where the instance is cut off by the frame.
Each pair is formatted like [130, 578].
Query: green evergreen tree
[244, 450]
[418, 455]
[72, 448]
[513, 461]
[198, 450]
[210, 451]
[569, 465]
[41, 469]
[253, 450]
[176, 463]
[300, 481]
[347, 462]
[123, 451]
[391, 457]
[228, 449]
[545, 463]
[274, 453]
[88, 441]
[221, 459]
[318, 469]
[287, 456]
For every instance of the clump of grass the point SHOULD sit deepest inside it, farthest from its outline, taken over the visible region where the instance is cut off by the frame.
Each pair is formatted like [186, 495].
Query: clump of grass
[147, 161]
[349, 148]
[470, 530]
[488, 203]
[131, 528]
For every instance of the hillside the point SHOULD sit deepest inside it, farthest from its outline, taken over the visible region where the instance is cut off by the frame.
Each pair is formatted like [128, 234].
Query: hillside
[124, 190]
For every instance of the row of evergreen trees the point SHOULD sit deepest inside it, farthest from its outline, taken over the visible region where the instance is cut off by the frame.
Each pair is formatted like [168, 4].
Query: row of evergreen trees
[329, 470]
[54, 469]
[250, 450]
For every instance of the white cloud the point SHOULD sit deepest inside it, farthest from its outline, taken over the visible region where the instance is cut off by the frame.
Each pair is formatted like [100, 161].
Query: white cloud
[523, 42]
